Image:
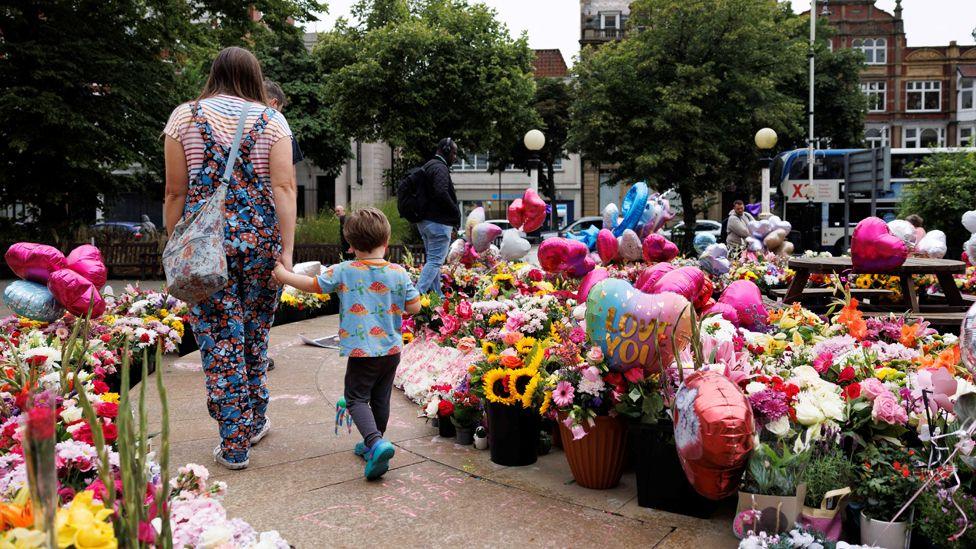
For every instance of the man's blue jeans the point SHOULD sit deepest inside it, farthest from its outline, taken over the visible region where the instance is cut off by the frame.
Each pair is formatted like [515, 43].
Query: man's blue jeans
[437, 242]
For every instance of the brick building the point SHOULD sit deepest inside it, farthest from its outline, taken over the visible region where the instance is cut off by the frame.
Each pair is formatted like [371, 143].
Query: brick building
[921, 96]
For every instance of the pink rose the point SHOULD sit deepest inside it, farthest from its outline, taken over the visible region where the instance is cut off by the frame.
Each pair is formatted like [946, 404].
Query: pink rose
[634, 375]
[887, 410]
[464, 310]
[466, 344]
[594, 355]
[872, 388]
[511, 338]
[451, 325]
[591, 374]
[479, 332]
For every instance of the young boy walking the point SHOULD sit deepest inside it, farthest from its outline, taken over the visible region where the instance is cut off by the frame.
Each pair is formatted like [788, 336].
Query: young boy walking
[373, 295]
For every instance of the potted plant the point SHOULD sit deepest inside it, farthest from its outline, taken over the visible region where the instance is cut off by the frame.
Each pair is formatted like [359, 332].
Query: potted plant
[943, 518]
[593, 434]
[466, 415]
[887, 477]
[773, 481]
[828, 477]
[511, 384]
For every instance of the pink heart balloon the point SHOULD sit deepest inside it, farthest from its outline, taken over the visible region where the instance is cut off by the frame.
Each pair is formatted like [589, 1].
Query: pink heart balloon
[744, 297]
[657, 248]
[515, 214]
[76, 293]
[579, 268]
[558, 254]
[591, 279]
[725, 310]
[34, 262]
[533, 210]
[483, 234]
[874, 249]
[686, 282]
[86, 260]
[627, 324]
[606, 245]
[649, 277]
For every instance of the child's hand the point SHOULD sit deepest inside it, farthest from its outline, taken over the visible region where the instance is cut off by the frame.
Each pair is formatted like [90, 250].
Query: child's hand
[279, 270]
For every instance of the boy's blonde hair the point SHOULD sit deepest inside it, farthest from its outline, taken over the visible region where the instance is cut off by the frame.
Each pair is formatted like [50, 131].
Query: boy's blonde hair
[367, 229]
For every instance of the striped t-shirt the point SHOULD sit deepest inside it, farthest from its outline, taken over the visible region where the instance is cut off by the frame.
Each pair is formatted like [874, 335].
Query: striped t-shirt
[223, 112]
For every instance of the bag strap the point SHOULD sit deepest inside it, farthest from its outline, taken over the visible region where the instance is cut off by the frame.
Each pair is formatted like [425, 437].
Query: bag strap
[235, 146]
[840, 492]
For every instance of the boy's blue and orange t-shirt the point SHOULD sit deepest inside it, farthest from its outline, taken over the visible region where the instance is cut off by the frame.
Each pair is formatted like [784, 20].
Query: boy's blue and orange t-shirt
[372, 297]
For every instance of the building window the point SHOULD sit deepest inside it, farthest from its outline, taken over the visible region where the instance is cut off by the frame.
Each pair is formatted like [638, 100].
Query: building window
[967, 88]
[876, 93]
[610, 20]
[966, 134]
[472, 163]
[924, 95]
[924, 138]
[875, 50]
[875, 138]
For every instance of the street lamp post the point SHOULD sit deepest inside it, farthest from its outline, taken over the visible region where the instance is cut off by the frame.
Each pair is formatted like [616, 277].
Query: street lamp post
[765, 140]
[534, 141]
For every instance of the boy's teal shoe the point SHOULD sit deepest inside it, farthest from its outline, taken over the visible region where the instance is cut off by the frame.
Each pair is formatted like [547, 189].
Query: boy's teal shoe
[360, 449]
[378, 459]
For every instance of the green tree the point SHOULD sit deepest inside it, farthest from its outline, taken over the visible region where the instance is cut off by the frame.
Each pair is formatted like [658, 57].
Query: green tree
[85, 89]
[677, 101]
[440, 68]
[945, 188]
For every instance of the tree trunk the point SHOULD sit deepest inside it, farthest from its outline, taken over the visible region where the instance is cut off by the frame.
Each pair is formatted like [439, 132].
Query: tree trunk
[688, 215]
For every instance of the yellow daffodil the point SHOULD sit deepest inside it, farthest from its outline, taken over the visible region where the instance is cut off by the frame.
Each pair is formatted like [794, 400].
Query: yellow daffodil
[85, 524]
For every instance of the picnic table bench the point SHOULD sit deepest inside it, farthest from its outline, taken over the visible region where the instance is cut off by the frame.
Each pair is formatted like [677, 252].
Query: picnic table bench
[943, 269]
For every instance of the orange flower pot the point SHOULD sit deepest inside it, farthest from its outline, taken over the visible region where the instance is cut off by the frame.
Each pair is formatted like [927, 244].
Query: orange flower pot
[597, 459]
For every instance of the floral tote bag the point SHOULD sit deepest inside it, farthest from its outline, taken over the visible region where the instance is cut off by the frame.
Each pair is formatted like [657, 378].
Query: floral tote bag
[194, 258]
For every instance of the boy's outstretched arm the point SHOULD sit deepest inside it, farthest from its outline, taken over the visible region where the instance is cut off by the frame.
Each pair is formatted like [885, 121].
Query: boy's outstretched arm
[302, 282]
[412, 307]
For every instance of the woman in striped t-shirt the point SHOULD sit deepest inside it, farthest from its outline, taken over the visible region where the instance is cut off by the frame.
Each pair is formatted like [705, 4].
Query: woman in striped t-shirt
[232, 326]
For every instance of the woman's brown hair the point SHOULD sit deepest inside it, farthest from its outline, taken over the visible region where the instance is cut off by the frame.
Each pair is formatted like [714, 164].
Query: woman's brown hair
[235, 71]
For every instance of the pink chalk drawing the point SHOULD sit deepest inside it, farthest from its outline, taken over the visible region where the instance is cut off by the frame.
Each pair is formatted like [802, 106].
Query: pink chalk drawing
[300, 400]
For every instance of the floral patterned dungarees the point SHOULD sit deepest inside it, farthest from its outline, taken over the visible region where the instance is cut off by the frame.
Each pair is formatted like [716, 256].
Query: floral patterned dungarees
[232, 326]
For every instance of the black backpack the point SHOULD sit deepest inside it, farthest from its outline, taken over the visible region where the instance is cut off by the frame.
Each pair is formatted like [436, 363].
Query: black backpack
[410, 193]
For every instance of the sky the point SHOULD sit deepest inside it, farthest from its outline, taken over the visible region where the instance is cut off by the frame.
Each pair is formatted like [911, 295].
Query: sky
[555, 23]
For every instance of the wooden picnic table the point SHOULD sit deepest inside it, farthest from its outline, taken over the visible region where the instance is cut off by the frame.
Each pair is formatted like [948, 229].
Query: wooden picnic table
[943, 269]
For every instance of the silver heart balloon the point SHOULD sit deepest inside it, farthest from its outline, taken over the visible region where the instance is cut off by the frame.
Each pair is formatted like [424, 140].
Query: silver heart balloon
[629, 246]
[760, 228]
[610, 216]
[754, 244]
[903, 230]
[969, 221]
[933, 245]
[456, 252]
[483, 235]
[777, 223]
[514, 247]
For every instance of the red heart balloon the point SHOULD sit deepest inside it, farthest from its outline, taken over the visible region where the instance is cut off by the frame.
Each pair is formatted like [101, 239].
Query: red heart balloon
[874, 249]
[713, 429]
[533, 211]
[558, 254]
[76, 293]
[515, 214]
[606, 245]
[657, 248]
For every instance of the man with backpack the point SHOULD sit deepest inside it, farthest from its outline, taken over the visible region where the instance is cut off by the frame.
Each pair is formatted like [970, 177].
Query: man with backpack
[426, 197]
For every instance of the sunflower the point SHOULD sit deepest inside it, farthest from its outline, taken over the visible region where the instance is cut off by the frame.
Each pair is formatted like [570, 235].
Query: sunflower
[534, 360]
[520, 381]
[407, 337]
[529, 393]
[497, 318]
[546, 401]
[525, 345]
[502, 277]
[488, 348]
[497, 385]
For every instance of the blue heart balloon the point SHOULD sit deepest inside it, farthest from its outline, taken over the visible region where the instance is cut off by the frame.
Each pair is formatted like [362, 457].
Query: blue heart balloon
[32, 300]
[586, 236]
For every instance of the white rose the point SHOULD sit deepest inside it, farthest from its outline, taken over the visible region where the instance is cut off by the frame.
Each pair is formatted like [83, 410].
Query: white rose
[805, 375]
[779, 427]
[71, 415]
[214, 537]
[807, 411]
[754, 387]
[831, 404]
[579, 313]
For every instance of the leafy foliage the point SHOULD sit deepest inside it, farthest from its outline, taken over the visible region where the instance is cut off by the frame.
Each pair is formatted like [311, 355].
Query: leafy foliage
[886, 479]
[826, 471]
[774, 469]
[324, 228]
[938, 518]
[945, 188]
[412, 75]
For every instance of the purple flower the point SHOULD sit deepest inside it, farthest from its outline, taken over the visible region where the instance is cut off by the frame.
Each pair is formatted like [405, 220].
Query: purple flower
[769, 405]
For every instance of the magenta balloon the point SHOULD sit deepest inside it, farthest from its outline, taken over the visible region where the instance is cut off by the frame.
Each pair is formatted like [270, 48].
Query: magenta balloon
[86, 260]
[650, 276]
[557, 254]
[657, 248]
[874, 249]
[580, 267]
[34, 262]
[745, 298]
[606, 245]
[686, 282]
[727, 311]
[533, 211]
[590, 280]
[76, 293]
[515, 214]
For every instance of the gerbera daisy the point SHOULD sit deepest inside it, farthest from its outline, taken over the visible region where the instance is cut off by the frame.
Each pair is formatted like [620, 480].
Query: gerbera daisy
[496, 386]
[563, 395]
